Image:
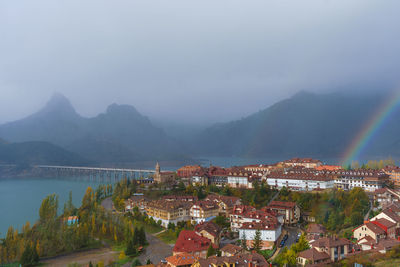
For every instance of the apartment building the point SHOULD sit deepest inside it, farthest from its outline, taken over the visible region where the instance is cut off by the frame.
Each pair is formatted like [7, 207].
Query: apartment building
[369, 180]
[203, 211]
[169, 211]
[289, 210]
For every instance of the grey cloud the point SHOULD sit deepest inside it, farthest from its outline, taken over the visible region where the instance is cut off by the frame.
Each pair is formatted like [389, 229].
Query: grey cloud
[202, 61]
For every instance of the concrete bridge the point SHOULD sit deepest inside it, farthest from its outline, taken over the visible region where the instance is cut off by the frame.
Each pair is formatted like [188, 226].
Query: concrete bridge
[98, 173]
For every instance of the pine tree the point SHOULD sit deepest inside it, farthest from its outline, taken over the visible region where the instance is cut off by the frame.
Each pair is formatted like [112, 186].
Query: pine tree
[136, 236]
[136, 262]
[210, 251]
[257, 241]
[130, 248]
[244, 241]
[142, 237]
[30, 256]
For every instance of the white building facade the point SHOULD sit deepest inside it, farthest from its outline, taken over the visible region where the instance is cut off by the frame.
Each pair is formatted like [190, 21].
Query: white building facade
[300, 184]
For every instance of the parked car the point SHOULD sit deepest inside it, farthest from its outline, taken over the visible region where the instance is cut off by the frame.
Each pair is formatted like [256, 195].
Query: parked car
[298, 237]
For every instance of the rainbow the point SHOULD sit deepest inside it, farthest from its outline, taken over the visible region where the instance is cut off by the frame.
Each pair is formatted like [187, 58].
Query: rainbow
[368, 132]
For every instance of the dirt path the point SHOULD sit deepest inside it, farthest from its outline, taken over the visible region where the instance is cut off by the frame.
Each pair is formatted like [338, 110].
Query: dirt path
[104, 254]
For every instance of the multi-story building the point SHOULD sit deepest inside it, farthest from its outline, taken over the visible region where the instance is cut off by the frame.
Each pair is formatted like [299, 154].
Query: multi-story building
[373, 229]
[139, 201]
[394, 174]
[261, 169]
[300, 180]
[203, 211]
[240, 180]
[210, 230]
[289, 210]
[303, 162]
[245, 214]
[386, 196]
[218, 180]
[369, 180]
[187, 198]
[325, 250]
[169, 211]
[270, 231]
[189, 171]
[199, 180]
[225, 203]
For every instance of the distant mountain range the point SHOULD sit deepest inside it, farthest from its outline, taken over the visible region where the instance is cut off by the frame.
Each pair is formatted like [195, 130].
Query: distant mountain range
[38, 153]
[307, 124]
[120, 135]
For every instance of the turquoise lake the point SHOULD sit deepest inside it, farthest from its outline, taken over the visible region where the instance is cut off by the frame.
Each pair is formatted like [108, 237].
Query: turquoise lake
[20, 198]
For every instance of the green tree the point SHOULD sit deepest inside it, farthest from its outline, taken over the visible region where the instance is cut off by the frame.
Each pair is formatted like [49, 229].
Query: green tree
[136, 262]
[301, 245]
[222, 221]
[48, 209]
[130, 248]
[210, 251]
[30, 256]
[243, 241]
[257, 241]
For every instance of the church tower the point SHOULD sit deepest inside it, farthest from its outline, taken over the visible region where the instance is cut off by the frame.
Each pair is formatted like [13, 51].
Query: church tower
[158, 169]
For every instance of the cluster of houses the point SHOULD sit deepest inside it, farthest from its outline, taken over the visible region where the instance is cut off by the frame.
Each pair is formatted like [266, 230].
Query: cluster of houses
[298, 174]
[192, 246]
[381, 233]
[174, 209]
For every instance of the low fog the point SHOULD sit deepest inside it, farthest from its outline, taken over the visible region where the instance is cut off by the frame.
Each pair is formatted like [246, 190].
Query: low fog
[191, 62]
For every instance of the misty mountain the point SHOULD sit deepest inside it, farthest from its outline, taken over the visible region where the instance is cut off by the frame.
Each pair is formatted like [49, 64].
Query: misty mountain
[121, 134]
[38, 153]
[307, 124]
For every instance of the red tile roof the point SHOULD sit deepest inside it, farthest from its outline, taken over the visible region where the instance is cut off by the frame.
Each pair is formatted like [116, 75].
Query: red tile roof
[182, 259]
[190, 241]
[315, 228]
[330, 242]
[313, 255]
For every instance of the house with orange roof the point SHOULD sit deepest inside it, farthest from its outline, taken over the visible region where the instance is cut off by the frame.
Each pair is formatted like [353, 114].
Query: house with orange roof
[181, 260]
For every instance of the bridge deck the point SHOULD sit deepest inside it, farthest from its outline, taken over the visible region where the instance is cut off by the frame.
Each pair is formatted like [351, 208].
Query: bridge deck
[93, 168]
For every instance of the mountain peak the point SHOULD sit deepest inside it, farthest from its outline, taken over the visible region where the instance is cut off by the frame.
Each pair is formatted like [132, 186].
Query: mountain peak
[58, 103]
[122, 109]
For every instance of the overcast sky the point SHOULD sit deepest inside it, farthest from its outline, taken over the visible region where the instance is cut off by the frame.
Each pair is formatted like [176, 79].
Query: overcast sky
[191, 61]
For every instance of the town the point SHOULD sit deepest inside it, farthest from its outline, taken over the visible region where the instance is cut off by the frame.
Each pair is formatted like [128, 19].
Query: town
[257, 234]
[297, 212]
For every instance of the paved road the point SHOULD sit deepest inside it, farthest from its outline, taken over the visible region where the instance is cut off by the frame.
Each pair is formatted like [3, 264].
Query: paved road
[292, 232]
[156, 251]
